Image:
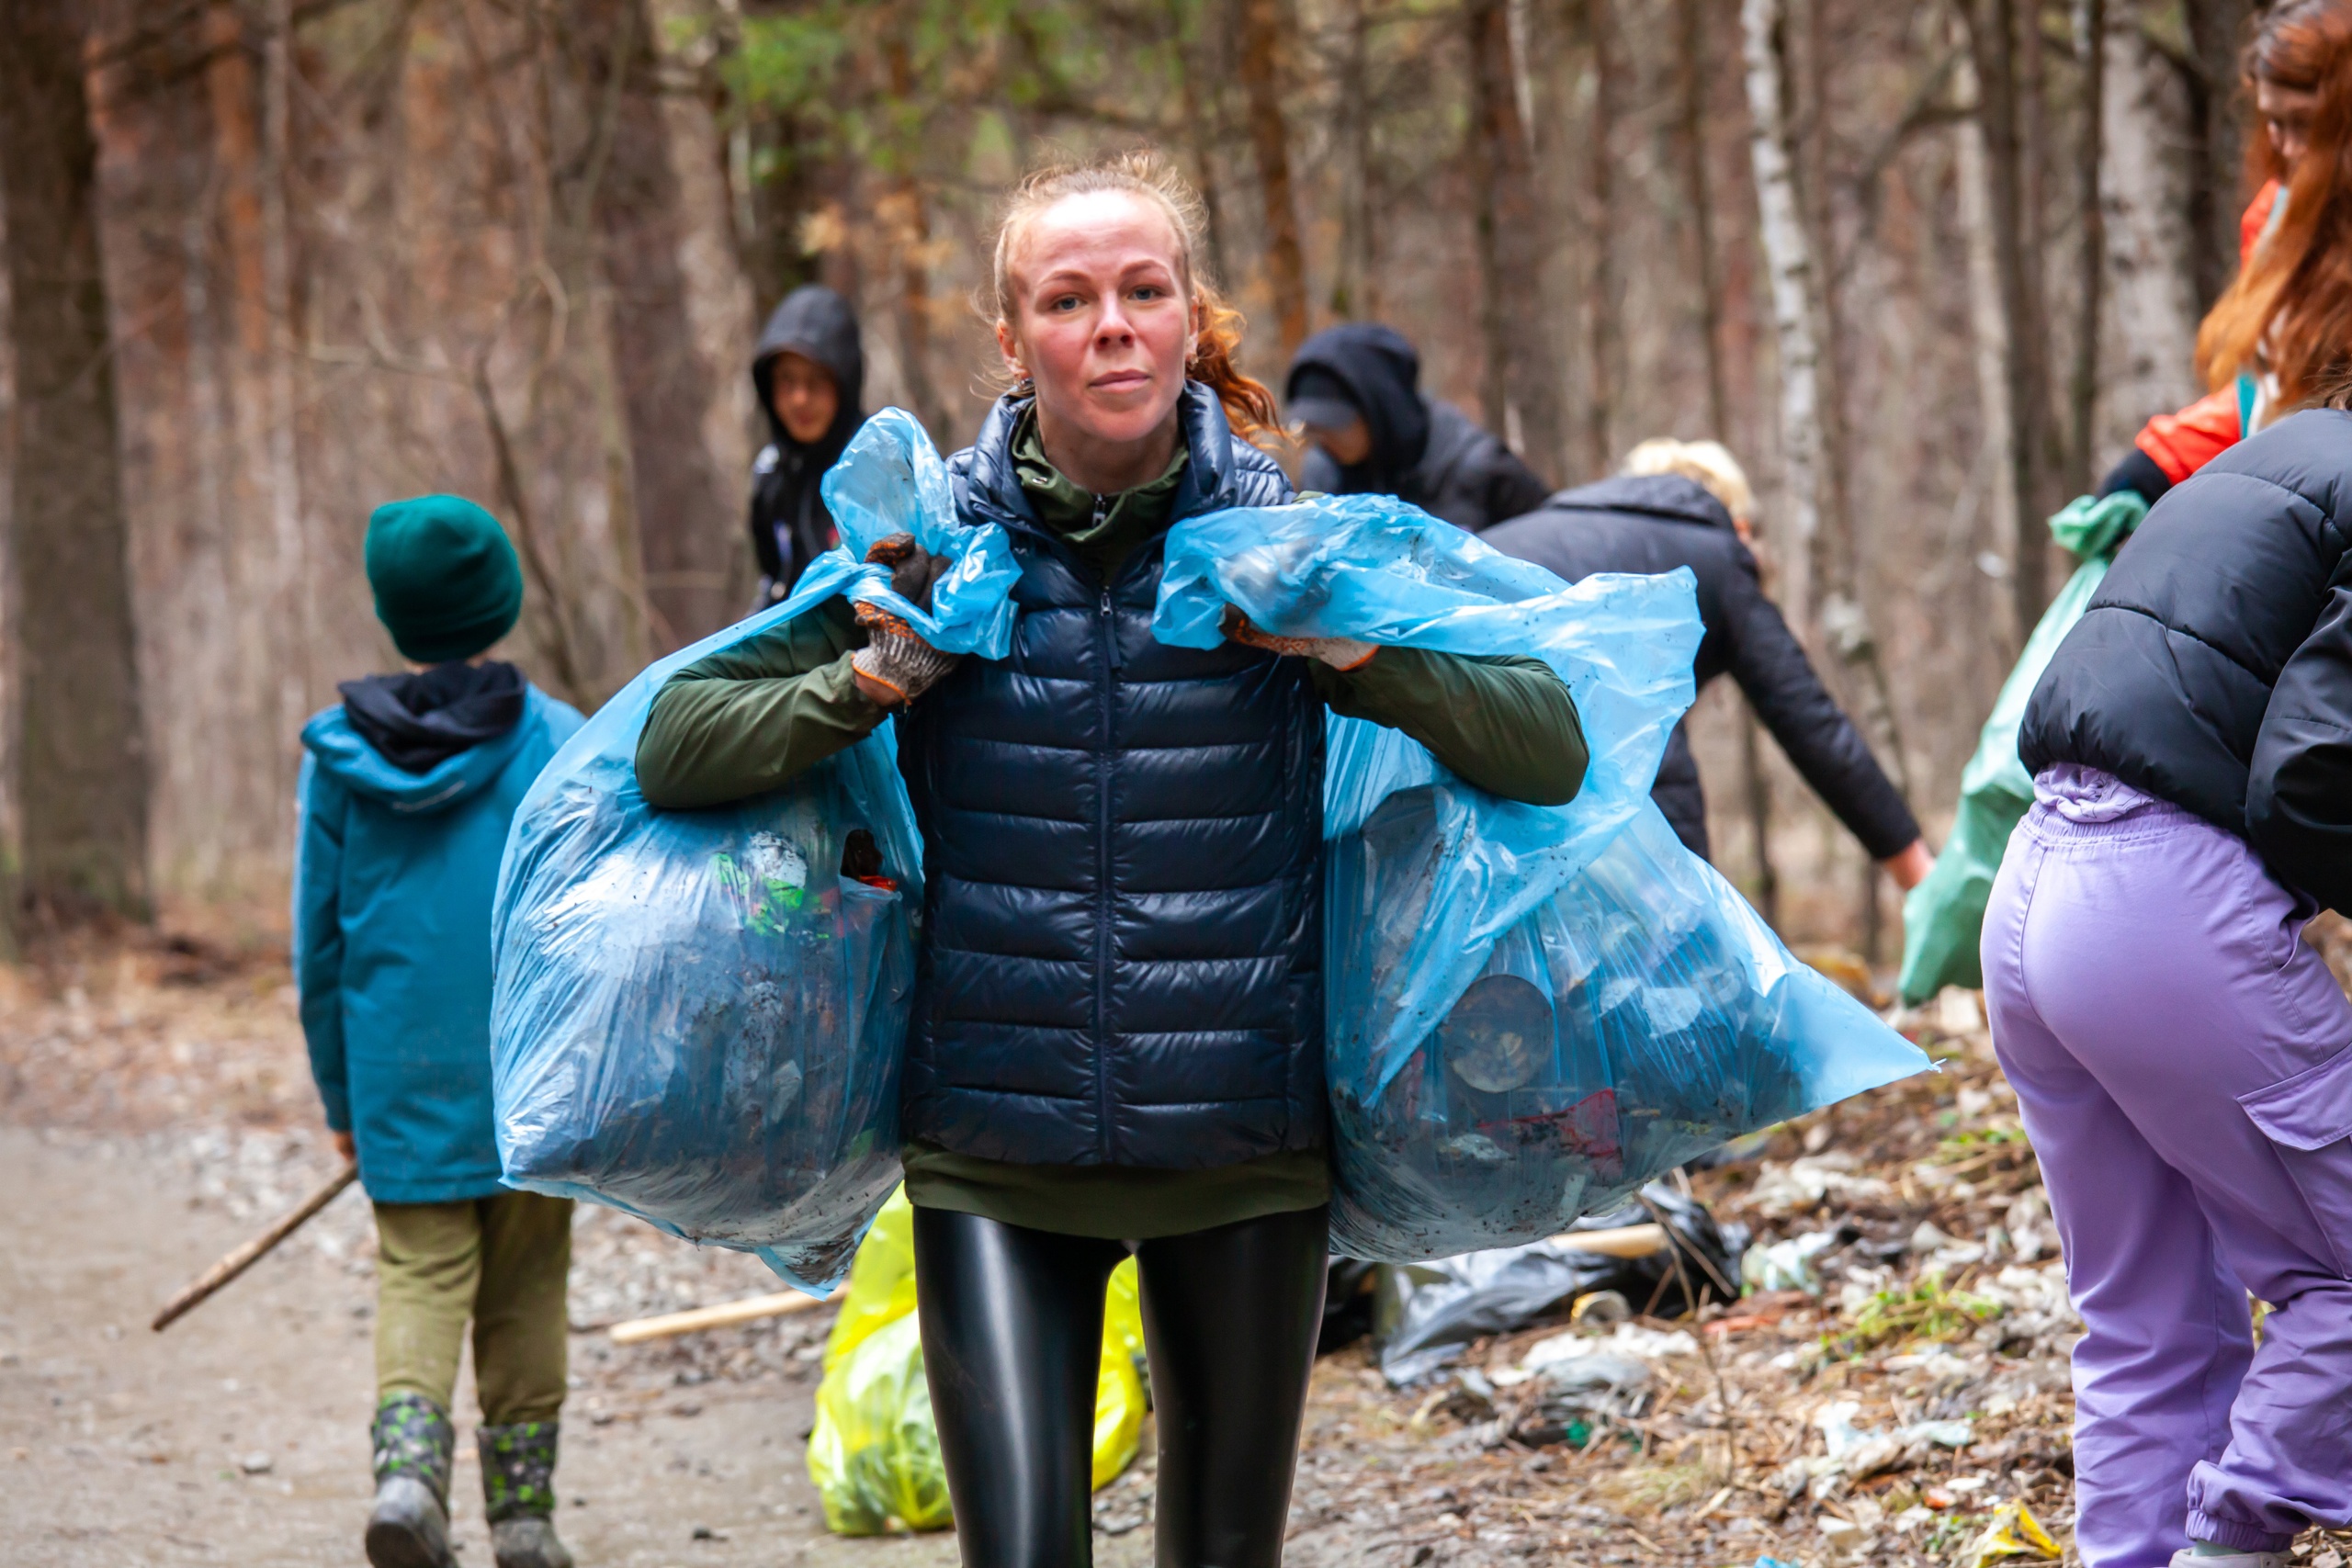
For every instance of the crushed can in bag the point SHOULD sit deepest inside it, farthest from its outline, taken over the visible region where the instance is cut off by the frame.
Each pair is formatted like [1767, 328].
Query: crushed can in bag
[699, 1016]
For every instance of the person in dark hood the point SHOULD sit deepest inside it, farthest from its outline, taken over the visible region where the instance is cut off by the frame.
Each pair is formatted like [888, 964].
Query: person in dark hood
[810, 373]
[1356, 387]
[1686, 504]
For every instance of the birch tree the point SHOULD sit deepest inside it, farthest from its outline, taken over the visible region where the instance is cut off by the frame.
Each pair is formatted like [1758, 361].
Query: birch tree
[1789, 269]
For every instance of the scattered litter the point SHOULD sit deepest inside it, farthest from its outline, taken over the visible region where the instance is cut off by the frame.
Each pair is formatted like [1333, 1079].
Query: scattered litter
[1787, 1265]
[2014, 1532]
[1807, 1181]
[1425, 1312]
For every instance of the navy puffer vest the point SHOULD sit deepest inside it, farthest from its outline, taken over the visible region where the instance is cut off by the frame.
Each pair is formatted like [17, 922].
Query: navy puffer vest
[1121, 932]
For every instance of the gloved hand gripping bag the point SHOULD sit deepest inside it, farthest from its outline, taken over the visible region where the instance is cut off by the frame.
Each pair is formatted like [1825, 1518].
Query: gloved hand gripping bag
[1530, 1010]
[699, 1016]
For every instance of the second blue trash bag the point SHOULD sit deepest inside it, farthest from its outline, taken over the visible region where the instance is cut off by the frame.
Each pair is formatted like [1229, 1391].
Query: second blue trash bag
[699, 1015]
[1530, 1010]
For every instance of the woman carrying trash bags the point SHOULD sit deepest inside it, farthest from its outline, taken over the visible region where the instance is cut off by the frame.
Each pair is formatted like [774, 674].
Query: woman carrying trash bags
[2264, 349]
[1117, 1034]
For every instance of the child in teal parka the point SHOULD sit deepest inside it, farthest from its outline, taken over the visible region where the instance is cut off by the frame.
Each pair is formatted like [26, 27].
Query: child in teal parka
[406, 793]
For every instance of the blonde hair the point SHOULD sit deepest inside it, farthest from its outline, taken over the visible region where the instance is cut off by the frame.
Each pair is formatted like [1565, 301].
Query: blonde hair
[1708, 463]
[1143, 172]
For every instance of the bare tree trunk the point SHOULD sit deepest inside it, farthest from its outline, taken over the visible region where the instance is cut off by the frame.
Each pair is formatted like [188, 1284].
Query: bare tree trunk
[2009, 155]
[2090, 262]
[1692, 85]
[2216, 31]
[1261, 28]
[687, 506]
[2151, 278]
[1789, 266]
[1988, 329]
[80, 750]
[296, 634]
[1520, 394]
[1603, 306]
[1201, 131]
[1353, 291]
[906, 221]
[1691, 82]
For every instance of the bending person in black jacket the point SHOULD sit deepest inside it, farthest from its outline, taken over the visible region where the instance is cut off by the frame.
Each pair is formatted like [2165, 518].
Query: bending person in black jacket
[810, 371]
[2182, 1058]
[1356, 387]
[1686, 504]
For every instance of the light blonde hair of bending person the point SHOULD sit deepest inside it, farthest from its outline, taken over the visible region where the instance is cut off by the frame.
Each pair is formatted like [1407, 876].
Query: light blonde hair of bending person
[1707, 464]
[1144, 172]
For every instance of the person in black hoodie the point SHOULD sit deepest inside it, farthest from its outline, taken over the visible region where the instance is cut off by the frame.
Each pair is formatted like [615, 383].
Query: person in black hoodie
[1686, 504]
[1356, 387]
[810, 373]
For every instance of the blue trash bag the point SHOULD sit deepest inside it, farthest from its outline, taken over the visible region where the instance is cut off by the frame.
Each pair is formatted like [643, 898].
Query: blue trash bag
[699, 1015]
[1530, 1010]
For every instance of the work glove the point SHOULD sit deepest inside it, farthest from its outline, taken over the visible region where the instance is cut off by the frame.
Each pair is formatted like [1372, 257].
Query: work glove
[1339, 653]
[893, 655]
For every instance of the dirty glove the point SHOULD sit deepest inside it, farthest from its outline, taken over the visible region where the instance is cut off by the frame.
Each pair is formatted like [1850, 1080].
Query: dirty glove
[1339, 653]
[893, 655]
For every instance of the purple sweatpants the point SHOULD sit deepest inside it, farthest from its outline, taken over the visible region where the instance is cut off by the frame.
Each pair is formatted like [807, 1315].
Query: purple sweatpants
[2184, 1066]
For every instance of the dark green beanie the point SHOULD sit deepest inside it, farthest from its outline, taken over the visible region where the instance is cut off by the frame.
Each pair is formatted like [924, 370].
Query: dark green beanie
[446, 581]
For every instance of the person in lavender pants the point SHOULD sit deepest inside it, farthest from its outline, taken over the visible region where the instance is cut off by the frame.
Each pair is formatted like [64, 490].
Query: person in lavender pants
[2182, 1059]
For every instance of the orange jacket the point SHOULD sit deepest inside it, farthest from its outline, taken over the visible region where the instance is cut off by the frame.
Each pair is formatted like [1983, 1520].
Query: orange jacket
[2182, 442]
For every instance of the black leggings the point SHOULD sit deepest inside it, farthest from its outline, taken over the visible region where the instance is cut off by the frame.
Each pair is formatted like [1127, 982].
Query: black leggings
[1012, 1343]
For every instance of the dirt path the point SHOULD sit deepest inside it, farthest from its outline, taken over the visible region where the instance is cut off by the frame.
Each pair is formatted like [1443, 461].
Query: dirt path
[120, 1446]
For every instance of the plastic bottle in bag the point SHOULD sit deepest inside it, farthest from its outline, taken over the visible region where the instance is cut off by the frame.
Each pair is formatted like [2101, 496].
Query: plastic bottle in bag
[699, 1016]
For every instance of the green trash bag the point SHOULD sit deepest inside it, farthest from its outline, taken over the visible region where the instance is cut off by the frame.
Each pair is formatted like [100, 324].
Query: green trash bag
[1944, 915]
[873, 1451]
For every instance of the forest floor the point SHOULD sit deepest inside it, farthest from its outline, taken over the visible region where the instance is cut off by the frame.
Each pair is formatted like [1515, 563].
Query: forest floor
[155, 1108]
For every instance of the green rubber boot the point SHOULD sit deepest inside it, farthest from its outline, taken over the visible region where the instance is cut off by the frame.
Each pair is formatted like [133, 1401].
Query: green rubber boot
[413, 1444]
[518, 1485]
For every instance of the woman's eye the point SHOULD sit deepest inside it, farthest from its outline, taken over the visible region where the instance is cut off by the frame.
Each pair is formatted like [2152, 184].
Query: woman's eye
[1066, 302]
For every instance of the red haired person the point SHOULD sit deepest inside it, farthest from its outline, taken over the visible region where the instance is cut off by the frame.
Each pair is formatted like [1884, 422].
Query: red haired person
[2270, 340]
[1117, 1040]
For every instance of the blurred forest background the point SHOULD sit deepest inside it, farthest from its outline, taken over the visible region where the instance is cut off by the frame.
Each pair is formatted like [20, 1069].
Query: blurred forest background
[1924, 265]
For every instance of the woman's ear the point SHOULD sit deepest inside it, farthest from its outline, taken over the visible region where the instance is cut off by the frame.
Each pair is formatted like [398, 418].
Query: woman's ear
[1007, 346]
[1200, 321]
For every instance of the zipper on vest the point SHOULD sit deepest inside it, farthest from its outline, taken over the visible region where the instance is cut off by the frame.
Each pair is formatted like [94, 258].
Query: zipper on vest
[1108, 638]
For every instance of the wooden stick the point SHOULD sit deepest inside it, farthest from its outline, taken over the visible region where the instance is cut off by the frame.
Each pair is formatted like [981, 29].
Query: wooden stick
[1626, 1241]
[245, 1257]
[727, 1314]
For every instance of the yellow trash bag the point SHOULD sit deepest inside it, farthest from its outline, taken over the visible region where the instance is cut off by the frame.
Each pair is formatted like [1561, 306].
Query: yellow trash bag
[874, 1453]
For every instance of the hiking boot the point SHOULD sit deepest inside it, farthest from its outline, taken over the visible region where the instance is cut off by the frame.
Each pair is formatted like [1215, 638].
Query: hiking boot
[413, 1444]
[2189, 1557]
[518, 1487]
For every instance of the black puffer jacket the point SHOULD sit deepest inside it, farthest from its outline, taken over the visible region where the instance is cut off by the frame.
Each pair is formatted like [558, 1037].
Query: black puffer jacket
[790, 526]
[1424, 451]
[2213, 667]
[1122, 844]
[1654, 523]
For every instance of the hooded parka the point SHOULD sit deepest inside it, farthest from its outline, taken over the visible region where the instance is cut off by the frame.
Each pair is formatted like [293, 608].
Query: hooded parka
[790, 526]
[1655, 523]
[394, 875]
[1123, 910]
[1424, 451]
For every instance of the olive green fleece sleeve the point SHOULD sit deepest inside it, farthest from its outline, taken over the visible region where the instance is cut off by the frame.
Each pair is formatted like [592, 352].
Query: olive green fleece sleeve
[755, 716]
[1508, 725]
